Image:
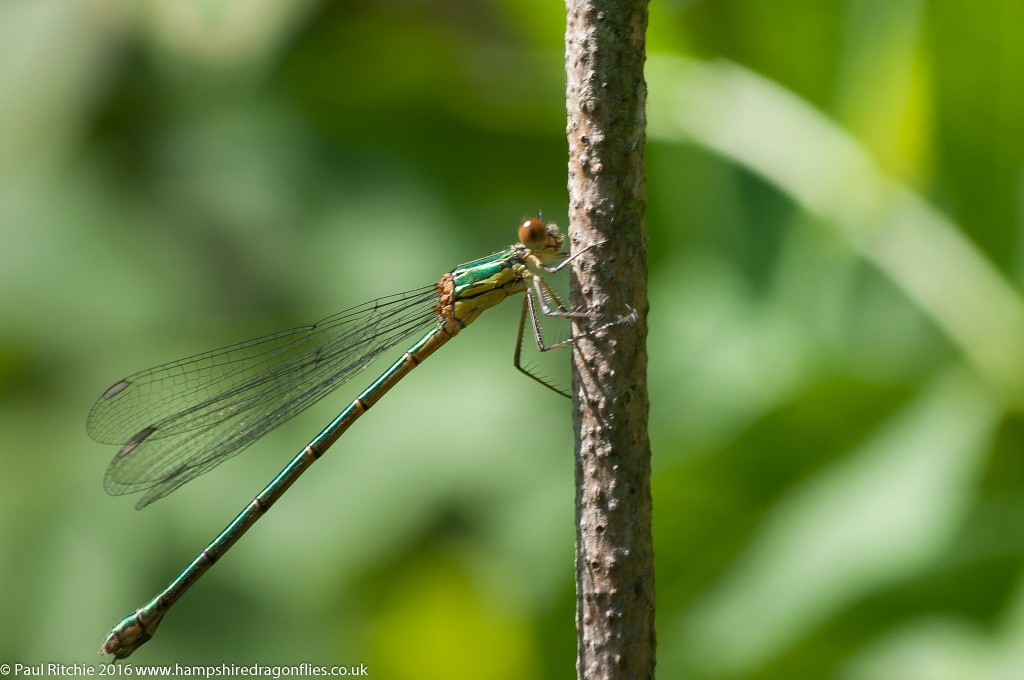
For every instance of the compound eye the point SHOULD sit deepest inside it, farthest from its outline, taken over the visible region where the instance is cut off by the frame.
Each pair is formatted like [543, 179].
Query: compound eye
[533, 233]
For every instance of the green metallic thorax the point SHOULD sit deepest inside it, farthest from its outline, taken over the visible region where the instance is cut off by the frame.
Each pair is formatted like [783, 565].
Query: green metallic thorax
[482, 284]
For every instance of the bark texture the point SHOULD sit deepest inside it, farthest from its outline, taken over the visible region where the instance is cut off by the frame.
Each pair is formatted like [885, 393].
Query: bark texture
[605, 99]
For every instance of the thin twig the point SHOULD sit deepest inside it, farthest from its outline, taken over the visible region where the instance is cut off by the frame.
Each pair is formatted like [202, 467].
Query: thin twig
[606, 95]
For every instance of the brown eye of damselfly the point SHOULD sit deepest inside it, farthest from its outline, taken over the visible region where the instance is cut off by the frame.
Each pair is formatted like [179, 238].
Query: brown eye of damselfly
[533, 233]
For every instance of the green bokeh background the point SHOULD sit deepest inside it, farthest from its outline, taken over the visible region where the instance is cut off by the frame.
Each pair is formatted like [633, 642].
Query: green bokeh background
[837, 339]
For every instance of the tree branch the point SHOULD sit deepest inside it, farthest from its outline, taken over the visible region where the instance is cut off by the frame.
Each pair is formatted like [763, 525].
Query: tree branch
[605, 99]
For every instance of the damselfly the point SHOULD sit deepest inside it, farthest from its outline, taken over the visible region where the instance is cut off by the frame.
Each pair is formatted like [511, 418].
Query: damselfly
[178, 420]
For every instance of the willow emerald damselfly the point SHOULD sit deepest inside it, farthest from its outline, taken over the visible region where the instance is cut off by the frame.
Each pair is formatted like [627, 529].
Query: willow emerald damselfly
[178, 420]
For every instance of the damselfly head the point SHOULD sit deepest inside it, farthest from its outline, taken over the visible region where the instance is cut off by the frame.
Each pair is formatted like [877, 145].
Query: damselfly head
[539, 236]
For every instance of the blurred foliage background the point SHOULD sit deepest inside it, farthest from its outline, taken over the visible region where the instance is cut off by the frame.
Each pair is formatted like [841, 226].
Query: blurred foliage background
[836, 349]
